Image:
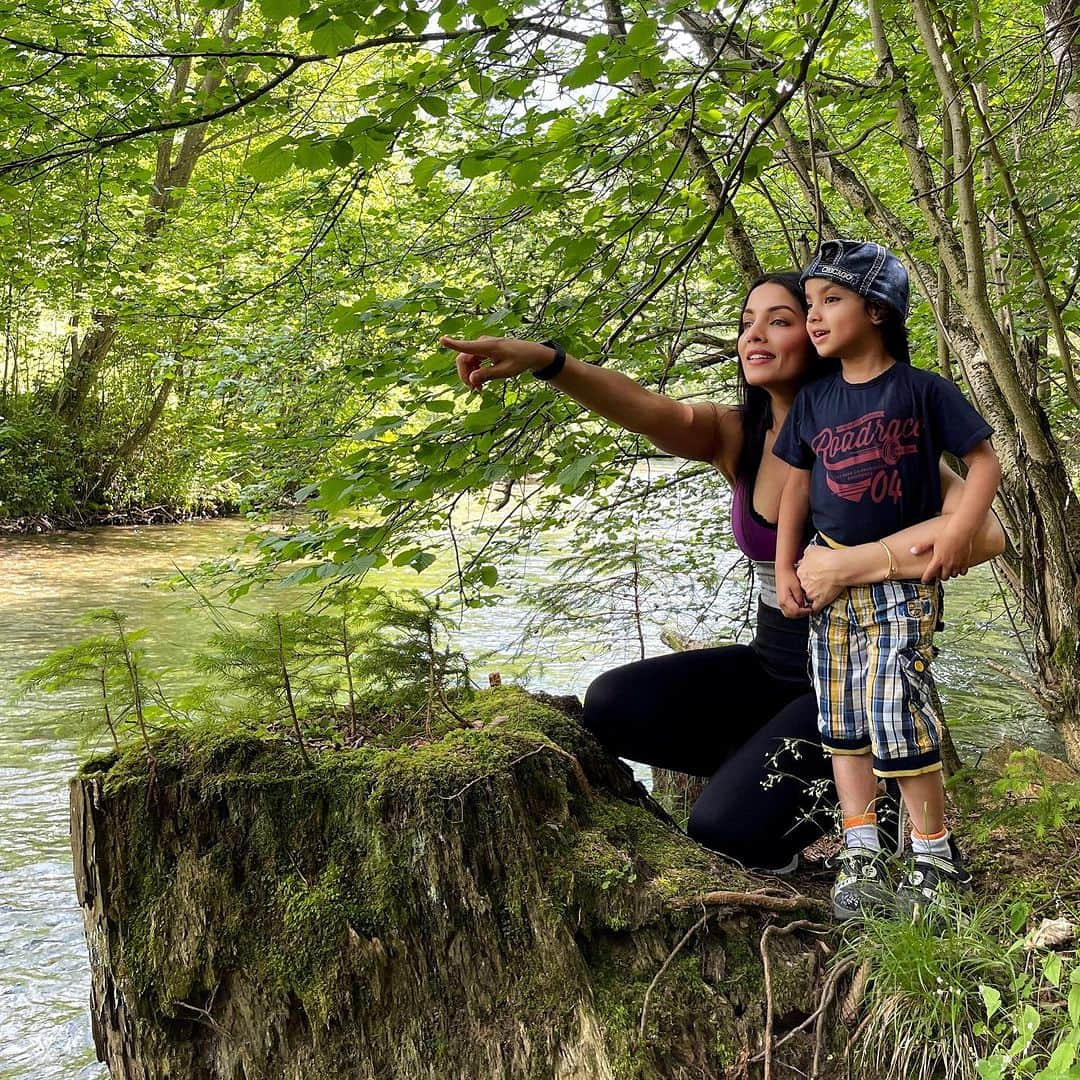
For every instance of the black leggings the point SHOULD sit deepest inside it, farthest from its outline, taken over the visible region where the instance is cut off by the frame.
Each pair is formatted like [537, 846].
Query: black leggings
[719, 713]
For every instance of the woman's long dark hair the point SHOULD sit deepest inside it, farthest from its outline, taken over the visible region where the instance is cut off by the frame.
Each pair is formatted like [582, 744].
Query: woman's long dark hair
[755, 405]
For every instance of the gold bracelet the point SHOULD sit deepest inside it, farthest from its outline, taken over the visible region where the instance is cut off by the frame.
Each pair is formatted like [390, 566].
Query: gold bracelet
[892, 564]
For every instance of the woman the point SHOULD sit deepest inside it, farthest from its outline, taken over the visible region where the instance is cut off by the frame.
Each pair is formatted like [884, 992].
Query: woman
[745, 715]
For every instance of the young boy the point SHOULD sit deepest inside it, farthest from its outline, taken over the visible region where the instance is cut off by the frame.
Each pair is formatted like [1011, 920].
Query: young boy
[864, 446]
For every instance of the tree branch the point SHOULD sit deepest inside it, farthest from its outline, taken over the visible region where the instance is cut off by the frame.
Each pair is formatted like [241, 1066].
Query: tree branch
[92, 143]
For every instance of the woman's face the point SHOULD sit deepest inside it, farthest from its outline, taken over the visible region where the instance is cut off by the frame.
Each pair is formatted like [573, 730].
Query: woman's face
[774, 348]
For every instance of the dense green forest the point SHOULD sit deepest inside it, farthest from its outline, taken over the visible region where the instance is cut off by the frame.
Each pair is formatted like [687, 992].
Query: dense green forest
[234, 234]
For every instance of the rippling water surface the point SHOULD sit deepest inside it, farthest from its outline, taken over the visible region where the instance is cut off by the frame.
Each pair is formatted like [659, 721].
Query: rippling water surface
[46, 583]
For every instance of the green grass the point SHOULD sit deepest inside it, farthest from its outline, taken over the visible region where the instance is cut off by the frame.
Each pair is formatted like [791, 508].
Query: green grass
[961, 997]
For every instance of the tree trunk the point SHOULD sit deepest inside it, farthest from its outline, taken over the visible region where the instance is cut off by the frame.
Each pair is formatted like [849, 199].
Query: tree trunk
[135, 440]
[87, 358]
[1062, 21]
[172, 174]
[496, 904]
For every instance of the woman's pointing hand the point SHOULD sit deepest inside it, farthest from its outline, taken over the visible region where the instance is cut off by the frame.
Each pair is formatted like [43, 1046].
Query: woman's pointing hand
[508, 356]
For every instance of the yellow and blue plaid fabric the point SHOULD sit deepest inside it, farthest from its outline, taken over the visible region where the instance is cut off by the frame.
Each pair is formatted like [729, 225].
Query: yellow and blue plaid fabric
[870, 653]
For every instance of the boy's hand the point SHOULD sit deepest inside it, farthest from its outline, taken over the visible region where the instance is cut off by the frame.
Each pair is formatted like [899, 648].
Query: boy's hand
[790, 595]
[952, 554]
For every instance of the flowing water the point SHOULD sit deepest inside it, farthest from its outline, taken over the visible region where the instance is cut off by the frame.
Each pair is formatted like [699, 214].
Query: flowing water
[47, 583]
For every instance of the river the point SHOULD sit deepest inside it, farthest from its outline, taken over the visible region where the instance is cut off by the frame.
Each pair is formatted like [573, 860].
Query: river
[47, 583]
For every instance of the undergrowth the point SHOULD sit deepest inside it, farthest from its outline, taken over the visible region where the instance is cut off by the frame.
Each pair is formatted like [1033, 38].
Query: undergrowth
[980, 991]
[361, 668]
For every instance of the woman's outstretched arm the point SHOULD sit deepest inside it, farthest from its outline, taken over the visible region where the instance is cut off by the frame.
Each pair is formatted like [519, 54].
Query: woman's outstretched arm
[823, 572]
[699, 432]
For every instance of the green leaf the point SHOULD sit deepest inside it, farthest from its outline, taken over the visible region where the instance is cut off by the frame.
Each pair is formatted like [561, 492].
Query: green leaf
[991, 1068]
[271, 161]
[1052, 969]
[341, 150]
[756, 159]
[650, 66]
[526, 173]
[422, 561]
[1019, 914]
[333, 489]
[433, 106]
[1027, 1025]
[417, 21]
[621, 67]
[991, 1000]
[1062, 1059]
[312, 154]
[424, 170]
[483, 419]
[571, 476]
[579, 250]
[1074, 1000]
[489, 575]
[642, 34]
[471, 166]
[493, 16]
[333, 36]
[585, 74]
[277, 11]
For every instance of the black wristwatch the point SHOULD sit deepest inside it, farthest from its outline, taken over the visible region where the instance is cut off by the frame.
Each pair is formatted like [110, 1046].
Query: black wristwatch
[556, 365]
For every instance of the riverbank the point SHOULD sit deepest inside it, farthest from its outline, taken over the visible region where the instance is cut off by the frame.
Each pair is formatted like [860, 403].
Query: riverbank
[40, 524]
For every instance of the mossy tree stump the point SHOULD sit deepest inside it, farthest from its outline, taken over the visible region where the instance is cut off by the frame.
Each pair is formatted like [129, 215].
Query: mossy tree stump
[495, 903]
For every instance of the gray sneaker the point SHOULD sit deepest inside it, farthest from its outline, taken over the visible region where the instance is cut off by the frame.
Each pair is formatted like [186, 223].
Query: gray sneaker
[862, 884]
[928, 876]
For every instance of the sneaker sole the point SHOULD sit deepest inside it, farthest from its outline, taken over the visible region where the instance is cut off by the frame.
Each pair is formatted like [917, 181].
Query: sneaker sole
[883, 908]
[843, 914]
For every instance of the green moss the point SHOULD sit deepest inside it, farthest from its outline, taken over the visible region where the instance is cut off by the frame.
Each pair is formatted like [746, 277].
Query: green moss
[511, 708]
[315, 918]
[628, 865]
[98, 764]
[241, 864]
[683, 999]
[1064, 655]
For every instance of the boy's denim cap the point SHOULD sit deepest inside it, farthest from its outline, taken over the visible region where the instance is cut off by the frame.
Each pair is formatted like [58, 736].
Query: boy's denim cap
[864, 267]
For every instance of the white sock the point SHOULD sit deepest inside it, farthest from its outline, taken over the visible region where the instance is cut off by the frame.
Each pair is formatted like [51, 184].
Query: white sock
[938, 847]
[864, 836]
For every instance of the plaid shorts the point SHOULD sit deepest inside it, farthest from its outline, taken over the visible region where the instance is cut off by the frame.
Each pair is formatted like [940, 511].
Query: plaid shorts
[870, 653]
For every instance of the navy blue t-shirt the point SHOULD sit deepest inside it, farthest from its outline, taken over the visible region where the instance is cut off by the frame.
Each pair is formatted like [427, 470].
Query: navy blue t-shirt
[874, 447]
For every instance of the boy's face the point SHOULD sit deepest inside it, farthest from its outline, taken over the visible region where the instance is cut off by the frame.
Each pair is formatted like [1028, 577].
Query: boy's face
[838, 321]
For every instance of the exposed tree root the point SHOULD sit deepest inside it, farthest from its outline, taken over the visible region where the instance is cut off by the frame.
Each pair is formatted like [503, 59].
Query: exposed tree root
[768, 933]
[767, 901]
[664, 966]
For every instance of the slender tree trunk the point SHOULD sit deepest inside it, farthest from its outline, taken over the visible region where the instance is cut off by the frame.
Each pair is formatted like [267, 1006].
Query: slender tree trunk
[172, 174]
[290, 703]
[1062, 20]
[108, 713]
[735, 236]
[135, 440]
